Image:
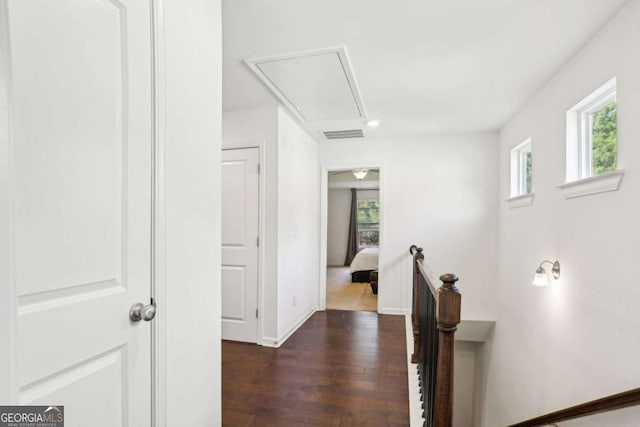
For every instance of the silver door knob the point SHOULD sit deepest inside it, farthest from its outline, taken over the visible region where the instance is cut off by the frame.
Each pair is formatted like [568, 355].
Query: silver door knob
[139, 312]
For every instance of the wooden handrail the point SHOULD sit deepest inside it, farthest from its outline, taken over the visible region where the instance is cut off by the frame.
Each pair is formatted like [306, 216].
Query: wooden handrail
[416, 252]
[425, 275]
[436, 315]
[609, 403]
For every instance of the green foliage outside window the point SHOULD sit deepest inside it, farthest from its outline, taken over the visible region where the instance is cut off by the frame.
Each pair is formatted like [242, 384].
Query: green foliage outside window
[605, 139]
[368, 222]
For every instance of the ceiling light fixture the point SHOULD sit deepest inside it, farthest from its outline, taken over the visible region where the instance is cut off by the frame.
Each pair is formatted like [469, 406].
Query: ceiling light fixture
[541, 278]
[360, 173]
[373, 123]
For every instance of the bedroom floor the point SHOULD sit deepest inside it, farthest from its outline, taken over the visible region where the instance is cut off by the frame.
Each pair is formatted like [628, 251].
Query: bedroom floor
[342, 294]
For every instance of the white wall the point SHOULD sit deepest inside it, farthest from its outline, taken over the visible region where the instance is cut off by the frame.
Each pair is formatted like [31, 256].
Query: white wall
[7, 360]
[289, 227]
[259, 128]
[627, 417]
[579, 340]
[464, 383]
[298, 225]
[338, 208]
[190, 127]
[437, 192]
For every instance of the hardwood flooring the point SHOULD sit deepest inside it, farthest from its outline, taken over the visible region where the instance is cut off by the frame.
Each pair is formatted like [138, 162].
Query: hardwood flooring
[341, 368]
[342, 294]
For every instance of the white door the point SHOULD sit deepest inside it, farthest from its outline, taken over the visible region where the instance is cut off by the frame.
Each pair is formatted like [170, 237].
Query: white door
[240, 189]
[78, 197]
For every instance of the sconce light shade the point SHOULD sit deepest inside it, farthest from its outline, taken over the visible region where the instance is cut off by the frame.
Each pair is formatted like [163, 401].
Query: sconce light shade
[360, 173]
[542, 278]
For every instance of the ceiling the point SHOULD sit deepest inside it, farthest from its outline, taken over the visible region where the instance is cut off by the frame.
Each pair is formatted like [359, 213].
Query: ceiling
[422, 66]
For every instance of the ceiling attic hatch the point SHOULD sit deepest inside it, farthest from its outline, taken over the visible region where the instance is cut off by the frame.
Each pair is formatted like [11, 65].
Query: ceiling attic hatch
[315, 85]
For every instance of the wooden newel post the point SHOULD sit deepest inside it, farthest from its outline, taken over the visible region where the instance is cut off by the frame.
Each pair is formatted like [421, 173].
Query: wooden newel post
[449, 299]
[418, 256]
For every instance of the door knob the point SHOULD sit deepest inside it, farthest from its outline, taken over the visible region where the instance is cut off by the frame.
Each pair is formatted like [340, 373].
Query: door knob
[139, 311]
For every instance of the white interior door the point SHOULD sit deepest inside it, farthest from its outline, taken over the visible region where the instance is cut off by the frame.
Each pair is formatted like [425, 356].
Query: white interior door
[240, 213]
[78, 195]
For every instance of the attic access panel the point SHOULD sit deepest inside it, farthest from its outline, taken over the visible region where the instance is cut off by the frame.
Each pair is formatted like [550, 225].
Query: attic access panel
[314, 85]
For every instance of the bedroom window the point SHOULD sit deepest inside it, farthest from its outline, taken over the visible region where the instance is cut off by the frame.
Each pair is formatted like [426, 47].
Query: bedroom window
[592, 134]
[368, 223]
[521, 169]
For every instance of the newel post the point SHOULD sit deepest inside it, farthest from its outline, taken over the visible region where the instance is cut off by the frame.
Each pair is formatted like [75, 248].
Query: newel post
[418, 256]
[449, 303]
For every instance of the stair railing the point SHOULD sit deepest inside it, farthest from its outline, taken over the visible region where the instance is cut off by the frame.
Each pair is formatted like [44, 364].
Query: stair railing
[605, 404]
[435, 317]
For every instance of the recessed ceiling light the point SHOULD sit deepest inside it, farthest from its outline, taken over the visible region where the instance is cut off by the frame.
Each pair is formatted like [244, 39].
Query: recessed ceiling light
[373, 123]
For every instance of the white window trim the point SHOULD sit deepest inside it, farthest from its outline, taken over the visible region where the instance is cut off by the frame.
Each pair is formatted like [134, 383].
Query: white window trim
[520, 201]
[608, 181]
[579, 133]
[518, 167]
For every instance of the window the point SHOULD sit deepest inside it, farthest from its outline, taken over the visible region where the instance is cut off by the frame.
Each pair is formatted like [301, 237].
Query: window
[521, 169]
[368, 222]
[592, 134]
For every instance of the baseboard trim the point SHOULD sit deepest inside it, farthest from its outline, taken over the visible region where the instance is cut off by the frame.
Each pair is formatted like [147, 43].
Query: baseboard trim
[269, 342]
[282, 338]
[395, 311]
[277, 342]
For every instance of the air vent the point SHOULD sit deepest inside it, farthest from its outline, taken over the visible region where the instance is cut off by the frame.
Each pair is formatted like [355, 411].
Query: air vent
[343, 134]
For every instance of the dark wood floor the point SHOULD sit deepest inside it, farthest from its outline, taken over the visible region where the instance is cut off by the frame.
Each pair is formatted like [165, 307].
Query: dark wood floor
[341, 368]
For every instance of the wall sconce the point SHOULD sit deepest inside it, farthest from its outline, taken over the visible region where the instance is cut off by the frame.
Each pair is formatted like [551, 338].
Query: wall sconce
[541, 278]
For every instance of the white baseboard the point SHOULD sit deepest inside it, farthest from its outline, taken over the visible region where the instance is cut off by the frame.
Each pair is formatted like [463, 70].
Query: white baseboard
[269, 342]
[276, 343]
[415, 406]
[395, 311]
[285, 336]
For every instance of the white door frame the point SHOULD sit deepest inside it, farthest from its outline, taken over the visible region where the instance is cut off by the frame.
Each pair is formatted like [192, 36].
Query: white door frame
[171, 173]
[7, 288]
[158, 235]
[324, 214]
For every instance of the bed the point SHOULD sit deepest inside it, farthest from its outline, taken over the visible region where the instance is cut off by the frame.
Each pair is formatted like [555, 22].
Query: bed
[363, 264]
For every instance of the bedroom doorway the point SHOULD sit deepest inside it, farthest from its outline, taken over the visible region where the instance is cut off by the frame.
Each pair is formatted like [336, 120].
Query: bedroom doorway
[353, 238]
